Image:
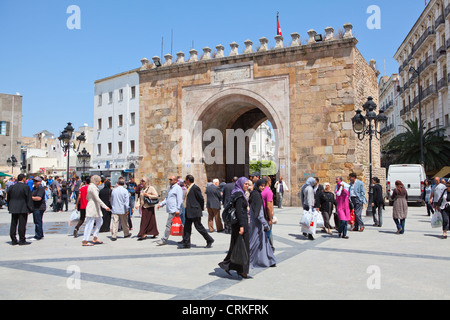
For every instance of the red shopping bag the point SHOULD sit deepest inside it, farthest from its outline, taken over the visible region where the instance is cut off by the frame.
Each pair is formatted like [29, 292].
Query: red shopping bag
[177, 227]
[352, 217]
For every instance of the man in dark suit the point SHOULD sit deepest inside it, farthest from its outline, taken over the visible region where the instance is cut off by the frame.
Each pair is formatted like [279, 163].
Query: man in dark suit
[194, 205]
[318, 189]
[20, 204]
[213, 201]
[227, 189]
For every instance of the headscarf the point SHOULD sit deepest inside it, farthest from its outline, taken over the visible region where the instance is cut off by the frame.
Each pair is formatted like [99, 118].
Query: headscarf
[256, 200]
[146, 182]
[309, 183]
[238, 187]
[344, 192]
[181, 184]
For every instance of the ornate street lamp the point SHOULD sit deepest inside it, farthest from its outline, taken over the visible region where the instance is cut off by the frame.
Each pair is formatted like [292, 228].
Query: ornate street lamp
[84, 158]
[12, 162]
[65, 140]
[368, 125]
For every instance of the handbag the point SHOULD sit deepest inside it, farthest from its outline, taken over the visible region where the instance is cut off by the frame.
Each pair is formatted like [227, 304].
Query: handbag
[177, 227]
[239, 255]
[151, 202]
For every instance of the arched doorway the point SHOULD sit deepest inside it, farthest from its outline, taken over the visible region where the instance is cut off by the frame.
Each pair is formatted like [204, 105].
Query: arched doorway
[225, 124]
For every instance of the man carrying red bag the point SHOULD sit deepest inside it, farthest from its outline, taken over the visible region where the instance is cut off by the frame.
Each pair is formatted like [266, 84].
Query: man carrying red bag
[173, 203]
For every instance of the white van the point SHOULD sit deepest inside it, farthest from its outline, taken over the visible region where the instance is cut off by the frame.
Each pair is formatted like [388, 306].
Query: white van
[411, 175]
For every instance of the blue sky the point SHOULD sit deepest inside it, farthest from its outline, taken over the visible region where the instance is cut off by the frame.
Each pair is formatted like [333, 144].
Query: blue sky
[54, 68]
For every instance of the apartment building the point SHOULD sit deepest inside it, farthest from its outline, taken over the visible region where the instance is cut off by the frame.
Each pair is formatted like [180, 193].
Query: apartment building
[423, 56]
[389, 103]
[116, 125]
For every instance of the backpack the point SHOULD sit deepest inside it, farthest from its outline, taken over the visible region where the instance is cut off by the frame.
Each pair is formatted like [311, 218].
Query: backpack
[229, 212]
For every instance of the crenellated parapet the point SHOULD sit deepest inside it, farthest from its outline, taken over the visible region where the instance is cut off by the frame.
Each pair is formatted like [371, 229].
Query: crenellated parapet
[234, 48]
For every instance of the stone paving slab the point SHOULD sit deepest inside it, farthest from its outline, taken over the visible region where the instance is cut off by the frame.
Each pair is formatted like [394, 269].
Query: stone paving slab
[374, 264]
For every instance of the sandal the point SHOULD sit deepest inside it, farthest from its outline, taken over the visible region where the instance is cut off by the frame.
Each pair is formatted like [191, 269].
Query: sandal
[96, 241]
[87, 244]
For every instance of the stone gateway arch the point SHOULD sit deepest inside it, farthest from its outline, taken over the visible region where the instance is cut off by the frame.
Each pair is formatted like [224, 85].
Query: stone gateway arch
[197, 116]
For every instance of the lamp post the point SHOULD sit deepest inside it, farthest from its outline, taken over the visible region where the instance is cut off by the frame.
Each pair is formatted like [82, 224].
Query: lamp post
[84, 157]
[65, 140]
[412, 69]
[12, 162]
[368, 125]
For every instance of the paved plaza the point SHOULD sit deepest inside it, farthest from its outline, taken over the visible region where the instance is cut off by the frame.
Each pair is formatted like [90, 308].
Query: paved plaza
[374, 264]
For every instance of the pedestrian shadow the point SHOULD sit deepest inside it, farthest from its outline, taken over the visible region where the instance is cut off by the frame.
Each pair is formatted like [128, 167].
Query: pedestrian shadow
[305, 238]
[220, 273]
[388, 231]
[438, 236]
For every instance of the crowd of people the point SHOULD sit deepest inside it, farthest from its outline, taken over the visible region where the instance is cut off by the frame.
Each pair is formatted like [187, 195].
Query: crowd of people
[106, 208]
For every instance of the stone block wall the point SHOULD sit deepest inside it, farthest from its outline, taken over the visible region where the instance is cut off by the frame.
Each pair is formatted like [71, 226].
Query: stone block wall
[325, 83]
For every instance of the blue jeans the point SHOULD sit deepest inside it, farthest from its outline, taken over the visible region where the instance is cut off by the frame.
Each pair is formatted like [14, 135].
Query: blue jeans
[182, 215]
[377, 220]
[400, 223]
[343, 228]
[38, 223]
[280, 199]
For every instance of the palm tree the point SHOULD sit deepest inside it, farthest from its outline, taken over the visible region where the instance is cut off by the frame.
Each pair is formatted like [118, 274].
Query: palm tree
[405, 147]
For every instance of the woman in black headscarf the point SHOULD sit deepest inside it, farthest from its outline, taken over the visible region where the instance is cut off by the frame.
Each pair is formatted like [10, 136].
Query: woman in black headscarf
[238, 229]
[261, 252]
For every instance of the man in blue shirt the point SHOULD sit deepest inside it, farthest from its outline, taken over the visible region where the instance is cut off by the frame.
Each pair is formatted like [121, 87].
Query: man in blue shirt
[120, 202]
[173, 203]
[358, 199]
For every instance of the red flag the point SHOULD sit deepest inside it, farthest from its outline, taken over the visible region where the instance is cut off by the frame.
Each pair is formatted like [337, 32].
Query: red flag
[279, 33]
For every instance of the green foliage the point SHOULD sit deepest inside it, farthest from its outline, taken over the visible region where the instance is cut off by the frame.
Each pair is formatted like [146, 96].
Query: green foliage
[405, 147]
[265, 167]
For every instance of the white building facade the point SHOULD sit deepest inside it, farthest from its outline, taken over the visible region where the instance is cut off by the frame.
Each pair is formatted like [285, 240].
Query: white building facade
[262, 144]
[426, 49]
[389, 103]
[116, 125]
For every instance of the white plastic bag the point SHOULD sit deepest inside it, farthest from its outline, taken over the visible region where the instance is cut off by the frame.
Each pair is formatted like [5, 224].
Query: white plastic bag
[309, 222]
[436, 220]
[75, 216]
[306, 218]
[320, 222]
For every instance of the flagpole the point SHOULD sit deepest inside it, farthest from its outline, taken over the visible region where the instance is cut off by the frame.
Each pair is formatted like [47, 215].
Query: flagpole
[278, 15]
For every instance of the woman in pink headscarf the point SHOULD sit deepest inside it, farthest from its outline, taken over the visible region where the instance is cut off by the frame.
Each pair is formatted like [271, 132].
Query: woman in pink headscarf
[343, 208]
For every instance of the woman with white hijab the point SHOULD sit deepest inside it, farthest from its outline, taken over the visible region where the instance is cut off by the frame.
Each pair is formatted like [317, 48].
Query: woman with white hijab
[93, 212]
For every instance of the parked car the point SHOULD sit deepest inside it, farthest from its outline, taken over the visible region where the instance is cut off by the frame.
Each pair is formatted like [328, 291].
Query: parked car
[412, 176]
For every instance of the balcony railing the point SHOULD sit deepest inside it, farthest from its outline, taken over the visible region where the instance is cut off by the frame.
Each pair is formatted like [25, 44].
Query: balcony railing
[439, 21]
[431, 60]
[443, 83]
[387, 128]
[414, 102]
[442, 51]
[428, 32]
[429, 92]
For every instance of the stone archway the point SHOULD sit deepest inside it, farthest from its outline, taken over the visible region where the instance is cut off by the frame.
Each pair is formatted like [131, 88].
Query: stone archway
[231, 116]
[308, 92]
